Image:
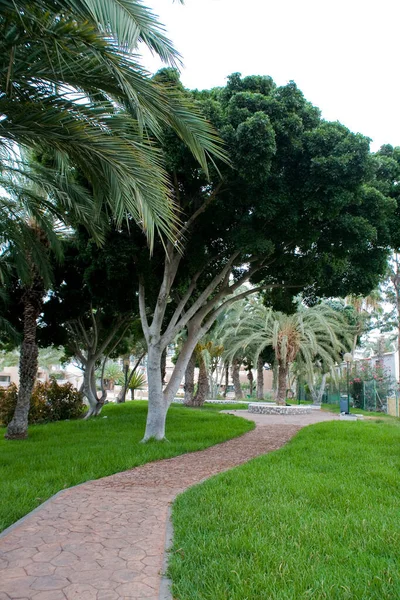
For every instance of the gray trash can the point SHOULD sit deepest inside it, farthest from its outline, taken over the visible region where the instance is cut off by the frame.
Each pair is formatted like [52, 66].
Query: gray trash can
[343, 404]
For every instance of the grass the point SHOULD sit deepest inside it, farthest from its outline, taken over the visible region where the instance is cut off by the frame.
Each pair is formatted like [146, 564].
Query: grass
[318, 519]
[63, 454]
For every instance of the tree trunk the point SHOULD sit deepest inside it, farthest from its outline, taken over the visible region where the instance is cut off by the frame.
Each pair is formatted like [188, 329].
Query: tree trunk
[189, 380]
[282, 382]
[250, 377]
[316, 394]
[157, 408]
[260, 379]
[398, 329]
[236, 379]
[89, 390]
[159, 400]
[124, 389]
[122, 394]
[28, 363]
[202, 384]
[226, 379]
[275, 370]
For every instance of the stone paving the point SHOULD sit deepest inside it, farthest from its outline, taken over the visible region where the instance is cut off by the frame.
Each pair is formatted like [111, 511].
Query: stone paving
[105, 539]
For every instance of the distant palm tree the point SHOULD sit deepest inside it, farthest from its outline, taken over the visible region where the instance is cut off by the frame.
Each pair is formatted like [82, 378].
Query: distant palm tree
[307, 334]
[364, 306]
[138, 382]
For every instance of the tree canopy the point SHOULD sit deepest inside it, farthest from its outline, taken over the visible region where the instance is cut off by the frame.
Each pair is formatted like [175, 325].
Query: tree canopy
[298, 209]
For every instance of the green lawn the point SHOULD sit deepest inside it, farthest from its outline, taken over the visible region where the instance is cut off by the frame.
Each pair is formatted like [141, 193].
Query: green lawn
[59, 455]
[318, 519]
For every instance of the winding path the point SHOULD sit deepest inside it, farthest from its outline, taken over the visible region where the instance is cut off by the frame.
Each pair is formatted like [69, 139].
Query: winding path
[105, 539]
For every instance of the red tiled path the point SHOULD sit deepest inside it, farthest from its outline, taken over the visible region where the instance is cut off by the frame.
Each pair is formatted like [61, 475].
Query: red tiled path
[104, 540]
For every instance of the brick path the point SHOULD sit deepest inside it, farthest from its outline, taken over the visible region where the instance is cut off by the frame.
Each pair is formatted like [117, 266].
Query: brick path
[104, 540]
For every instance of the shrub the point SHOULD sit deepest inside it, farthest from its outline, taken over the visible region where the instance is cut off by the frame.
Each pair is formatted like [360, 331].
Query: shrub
[65, 401]
[50, 402]
[137, 382]
[381, 385]
[8, 401]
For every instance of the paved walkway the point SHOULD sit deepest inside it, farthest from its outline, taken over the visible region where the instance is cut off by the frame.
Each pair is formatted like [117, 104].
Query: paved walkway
[105, 539]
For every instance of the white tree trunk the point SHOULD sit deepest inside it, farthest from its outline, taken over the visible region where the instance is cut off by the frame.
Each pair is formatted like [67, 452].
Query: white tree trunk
[317, 393]
[197, 318]
[157, 410]
[89, 390]
[159, 400]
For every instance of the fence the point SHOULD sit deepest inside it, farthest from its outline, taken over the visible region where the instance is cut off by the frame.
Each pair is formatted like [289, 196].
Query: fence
[367, 396]
[393, 405]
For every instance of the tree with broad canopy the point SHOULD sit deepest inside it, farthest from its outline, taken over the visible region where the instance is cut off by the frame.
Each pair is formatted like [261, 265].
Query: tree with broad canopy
[298, 210]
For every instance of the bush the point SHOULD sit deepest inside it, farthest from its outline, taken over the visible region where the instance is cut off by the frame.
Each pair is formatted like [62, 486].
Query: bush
[379, 381]
[50, 402]
[8, 401]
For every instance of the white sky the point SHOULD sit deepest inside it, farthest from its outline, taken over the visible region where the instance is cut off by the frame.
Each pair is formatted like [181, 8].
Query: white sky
[343, 54]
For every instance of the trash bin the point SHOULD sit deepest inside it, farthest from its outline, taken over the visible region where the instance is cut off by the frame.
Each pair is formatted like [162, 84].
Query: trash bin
[343, 404]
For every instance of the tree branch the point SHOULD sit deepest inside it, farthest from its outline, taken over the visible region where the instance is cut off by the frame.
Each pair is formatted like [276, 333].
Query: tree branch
[170, 268]
[182, 303]
[137, 363]
[95, 329]
[222, 307]
[75, 342]
[228, 291]
[171, 332]
[84, 333]
[200, 210]
[142, 312]
[112, 334]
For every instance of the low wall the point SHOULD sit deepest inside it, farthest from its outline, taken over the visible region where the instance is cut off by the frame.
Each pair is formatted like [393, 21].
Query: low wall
[273, 409]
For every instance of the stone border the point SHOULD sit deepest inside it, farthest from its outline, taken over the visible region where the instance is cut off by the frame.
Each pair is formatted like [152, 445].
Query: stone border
[262, 408]
[181, 401]
[165, 582]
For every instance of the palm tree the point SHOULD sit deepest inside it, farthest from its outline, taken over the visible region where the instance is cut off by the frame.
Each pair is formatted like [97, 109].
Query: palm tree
[38, 218]
[71, 86]
[70, 81]
[137, 382]
[365, 306]
[307, 334]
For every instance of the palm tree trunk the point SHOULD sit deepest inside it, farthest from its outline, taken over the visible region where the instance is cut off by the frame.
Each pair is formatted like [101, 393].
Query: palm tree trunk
[189, 380]
[236, 379]
[260, 379]
[28, 364]
[202, 384]
[282, 382]
[250, 377]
